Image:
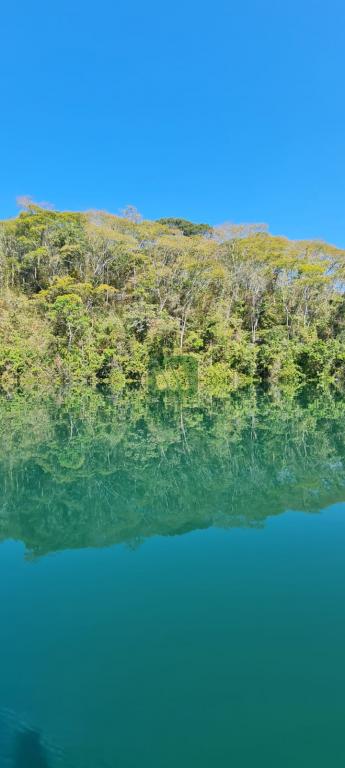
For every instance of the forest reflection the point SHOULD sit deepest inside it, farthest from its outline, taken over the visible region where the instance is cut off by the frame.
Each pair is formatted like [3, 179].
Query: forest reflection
[92, 470]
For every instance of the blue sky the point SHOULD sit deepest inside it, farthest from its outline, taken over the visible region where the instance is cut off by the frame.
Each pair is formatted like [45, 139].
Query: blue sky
[211, 111]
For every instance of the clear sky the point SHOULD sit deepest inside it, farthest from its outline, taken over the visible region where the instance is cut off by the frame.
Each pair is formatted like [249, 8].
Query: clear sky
[210, 111]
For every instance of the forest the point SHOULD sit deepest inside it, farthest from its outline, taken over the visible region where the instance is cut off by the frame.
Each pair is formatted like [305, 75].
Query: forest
[100, 299]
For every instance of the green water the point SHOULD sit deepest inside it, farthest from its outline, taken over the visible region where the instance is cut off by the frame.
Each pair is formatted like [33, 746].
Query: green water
[172, 583]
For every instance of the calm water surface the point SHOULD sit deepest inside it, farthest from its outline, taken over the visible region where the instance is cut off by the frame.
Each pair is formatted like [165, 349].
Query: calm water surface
[172, 583]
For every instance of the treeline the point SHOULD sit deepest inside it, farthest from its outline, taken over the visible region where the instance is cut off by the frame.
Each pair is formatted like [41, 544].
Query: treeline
[116, 300]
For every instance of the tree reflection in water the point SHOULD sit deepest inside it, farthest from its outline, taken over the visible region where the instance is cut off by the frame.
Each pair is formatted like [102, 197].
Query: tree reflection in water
[94, 471]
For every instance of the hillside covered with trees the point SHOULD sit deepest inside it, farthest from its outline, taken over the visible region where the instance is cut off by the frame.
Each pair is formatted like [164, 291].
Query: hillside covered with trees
[94, 298]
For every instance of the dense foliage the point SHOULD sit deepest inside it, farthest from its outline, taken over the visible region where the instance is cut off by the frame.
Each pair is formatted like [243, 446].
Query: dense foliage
[93, 470]
[96, 298]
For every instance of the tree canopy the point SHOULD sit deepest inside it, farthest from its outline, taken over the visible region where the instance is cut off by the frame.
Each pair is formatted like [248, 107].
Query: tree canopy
[97, 298]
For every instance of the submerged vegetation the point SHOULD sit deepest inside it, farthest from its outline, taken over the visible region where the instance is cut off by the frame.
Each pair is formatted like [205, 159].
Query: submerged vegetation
[93, 298]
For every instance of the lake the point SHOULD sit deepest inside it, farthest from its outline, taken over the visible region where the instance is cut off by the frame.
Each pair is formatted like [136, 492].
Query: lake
[172, 581]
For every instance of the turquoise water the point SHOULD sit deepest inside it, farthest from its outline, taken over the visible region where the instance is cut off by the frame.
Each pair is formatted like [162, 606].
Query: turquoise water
[172, 583]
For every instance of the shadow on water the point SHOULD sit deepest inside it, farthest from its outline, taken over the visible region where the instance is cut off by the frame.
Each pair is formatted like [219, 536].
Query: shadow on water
[29, 751]
[24, 746]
